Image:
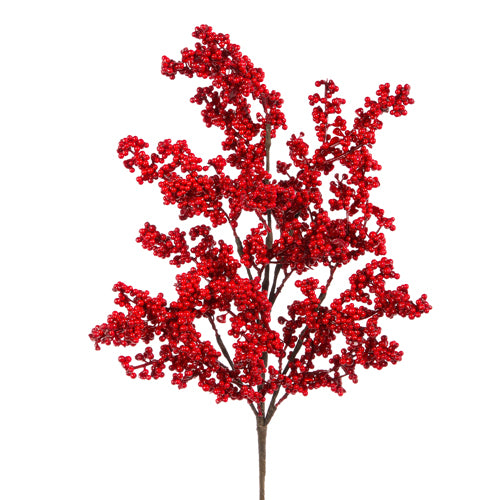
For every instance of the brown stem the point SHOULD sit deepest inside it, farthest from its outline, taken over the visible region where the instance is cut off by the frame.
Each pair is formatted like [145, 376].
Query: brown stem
[261, 440]
[261, 417]
[220, 342]
[300, 341]
[272, 294]
[268, 146]
[239, 244]
[278, 291]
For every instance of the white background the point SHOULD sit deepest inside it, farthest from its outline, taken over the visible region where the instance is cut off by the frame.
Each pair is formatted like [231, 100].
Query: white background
[79, 76]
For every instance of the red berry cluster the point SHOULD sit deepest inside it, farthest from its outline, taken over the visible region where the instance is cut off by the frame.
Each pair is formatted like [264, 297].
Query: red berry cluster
[234, 288]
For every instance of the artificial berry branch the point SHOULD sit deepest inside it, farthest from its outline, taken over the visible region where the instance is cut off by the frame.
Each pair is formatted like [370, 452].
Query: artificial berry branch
[297, 232]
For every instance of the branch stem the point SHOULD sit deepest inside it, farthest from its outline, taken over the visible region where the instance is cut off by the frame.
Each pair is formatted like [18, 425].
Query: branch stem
[261, 441]
[220, 342]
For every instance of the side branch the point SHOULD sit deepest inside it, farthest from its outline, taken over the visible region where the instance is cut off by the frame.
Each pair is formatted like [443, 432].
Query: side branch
[303, 333]
[328, 283]
[239, 244]
[273, 294]
[268, 146]
[278, 291]
[220, 342]
[272, 404]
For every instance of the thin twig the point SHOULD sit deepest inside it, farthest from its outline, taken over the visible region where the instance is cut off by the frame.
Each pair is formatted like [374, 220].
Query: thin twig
[300, 341]
[278, 291]
[272, 295]
[239, 245]
[220, 342]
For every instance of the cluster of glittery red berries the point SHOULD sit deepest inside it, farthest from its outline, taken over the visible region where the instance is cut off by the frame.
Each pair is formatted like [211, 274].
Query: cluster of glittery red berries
[220, 329]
